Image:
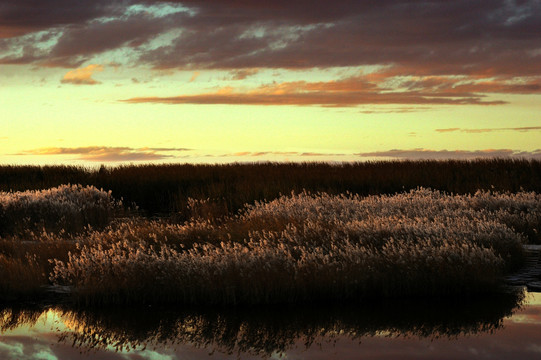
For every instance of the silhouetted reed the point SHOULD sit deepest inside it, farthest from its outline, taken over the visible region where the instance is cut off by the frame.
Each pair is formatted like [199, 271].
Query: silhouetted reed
[165, 189]
[12, 318]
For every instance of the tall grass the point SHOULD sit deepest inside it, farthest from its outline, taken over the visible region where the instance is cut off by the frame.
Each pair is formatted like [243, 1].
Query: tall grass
[308, 247]
[37, 225]
[66, 208]
[298, 248]
[20, 277]
[164, 189]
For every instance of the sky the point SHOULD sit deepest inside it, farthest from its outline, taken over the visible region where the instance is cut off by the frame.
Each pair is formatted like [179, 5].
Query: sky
[136, 81]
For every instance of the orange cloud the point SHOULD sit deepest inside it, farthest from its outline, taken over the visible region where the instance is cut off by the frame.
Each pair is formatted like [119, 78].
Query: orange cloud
[195, 75]
[82, 76]
[448, 130]
[339, 93]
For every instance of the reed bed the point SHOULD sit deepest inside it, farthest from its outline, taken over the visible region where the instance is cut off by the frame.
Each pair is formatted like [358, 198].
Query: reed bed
[66, 208]
[308, 247]
[301, 247]
[38, 225]
[164, 189]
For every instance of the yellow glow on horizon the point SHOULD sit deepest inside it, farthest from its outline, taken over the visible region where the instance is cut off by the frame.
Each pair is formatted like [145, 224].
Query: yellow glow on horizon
[51, 114]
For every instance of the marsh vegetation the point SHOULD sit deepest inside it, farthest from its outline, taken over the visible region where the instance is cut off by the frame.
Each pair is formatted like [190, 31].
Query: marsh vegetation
[296, 248]
[160, 190]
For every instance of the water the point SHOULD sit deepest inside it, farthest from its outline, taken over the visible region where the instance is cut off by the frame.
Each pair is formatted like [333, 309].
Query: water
[506, 326]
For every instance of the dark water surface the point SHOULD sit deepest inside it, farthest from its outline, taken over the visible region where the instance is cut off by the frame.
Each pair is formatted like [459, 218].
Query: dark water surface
[490, 327]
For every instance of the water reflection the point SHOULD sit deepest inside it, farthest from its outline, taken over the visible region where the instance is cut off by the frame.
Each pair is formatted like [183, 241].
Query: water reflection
[264, 331]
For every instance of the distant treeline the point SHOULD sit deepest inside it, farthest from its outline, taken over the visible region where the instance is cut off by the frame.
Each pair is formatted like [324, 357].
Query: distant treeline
[165, 189]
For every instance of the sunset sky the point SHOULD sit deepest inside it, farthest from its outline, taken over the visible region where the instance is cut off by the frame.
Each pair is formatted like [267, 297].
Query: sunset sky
[104, 81]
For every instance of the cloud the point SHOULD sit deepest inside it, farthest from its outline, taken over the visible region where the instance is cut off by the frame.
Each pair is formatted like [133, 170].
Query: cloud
[276, 153]
[426, 154]
[397, 110]
[24, 16]
[242, 74]
[195, 75]
[45, 346]
[76, 40]
[448, 130]
[340, 93]
[109, 154]
[437, 37]
[464, 85]
[427, 52]
[487, 130]
[440, 37]
[82, 76]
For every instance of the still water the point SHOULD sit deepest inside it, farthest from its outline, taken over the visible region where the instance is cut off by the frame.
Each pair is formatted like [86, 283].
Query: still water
[491, 327]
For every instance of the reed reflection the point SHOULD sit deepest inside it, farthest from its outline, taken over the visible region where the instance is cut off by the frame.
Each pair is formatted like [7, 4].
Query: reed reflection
[269, 330]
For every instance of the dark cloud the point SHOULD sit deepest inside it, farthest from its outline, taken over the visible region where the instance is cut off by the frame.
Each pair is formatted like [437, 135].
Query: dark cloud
[462, 85]
[77, 44]
[474, 46]
[109, 154]
[426, 154]
[24, 16]
[242, 74]
[437, 37]
[298, 11]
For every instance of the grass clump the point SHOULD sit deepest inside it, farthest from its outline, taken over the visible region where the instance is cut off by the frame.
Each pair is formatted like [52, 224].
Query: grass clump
[66, 208]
